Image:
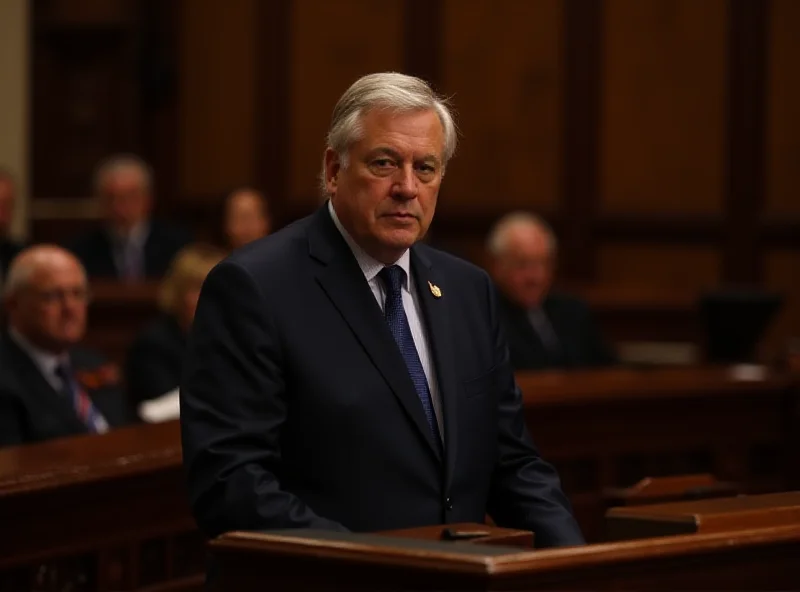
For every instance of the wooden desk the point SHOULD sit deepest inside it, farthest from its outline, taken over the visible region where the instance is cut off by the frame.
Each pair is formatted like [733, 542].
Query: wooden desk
[117, 313]
[494, 534]
[711, 515]
[98, 513]
[745, 560]
[610, 428]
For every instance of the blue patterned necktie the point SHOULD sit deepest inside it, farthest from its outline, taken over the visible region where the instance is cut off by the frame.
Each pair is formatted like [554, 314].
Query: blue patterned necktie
[396, 318]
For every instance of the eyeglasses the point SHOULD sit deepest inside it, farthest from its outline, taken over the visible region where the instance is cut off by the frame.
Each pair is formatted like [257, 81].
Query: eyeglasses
[79, 294]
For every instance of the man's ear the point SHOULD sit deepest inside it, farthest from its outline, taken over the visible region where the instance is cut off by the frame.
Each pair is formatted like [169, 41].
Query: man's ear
[332, 167]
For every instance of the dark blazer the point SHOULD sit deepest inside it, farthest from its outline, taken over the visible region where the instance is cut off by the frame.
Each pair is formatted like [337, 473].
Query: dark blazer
[155, 360]
[96, 251]
[580, 343]
[8, 250]
[297, 409]
[32, 411]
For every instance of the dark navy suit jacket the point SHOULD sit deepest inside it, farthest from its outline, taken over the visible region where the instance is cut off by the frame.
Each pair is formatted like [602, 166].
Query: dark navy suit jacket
[297, 410]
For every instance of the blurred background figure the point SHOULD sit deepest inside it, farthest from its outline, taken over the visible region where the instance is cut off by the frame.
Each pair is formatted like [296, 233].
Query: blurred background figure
[153, 367]
[130, 246]
[247, 217]
[545, 329]
[49, 386]
[8, 247]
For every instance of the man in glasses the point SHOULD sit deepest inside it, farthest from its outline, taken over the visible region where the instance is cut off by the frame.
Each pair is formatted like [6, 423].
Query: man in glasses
[49, 386]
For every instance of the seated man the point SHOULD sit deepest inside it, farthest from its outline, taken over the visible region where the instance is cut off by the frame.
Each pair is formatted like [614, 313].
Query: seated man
[50, 388]
[247, 217]
[544, 329]
[130, 245]
[8, 247]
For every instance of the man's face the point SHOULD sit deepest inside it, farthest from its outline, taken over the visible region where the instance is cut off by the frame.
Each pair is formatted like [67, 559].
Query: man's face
[525, 270]
[126, 199]
[386, 196]
[50, 310]
[6, 205]
[245, 219]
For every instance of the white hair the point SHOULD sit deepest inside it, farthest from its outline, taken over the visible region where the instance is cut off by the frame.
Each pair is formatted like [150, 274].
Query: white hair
[497, 242]
[120, 162]
[385, 90]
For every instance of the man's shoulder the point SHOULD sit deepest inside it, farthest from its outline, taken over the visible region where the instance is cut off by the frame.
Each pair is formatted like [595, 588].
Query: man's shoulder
[566, 301]
[275, 251]
[451, 264]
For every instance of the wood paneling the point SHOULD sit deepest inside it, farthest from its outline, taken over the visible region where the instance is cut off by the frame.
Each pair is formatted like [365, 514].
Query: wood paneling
[332, 44]
[663, 120]
[217, 95]
[783, 144]
[783, 275]
[502, 67]
[664, 265]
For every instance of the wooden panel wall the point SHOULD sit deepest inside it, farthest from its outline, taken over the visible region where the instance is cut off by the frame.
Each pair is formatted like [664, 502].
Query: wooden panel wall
[661, 137]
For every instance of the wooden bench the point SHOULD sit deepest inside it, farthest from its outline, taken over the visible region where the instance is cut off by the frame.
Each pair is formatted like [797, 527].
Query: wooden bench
[99, 513]
[657, 490]
[704, 516]
[611, 428]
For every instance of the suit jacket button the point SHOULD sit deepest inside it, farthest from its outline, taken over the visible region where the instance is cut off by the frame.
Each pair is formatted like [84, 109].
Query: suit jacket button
[448, 504]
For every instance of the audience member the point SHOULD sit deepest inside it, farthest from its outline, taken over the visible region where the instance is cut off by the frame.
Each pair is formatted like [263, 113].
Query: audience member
[49, 386]
[155, 360]
[545, 329]
[8, 247]
[130, 246]
[247, 217]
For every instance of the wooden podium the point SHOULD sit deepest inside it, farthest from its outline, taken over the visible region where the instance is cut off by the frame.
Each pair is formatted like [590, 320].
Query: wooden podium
[759, 559]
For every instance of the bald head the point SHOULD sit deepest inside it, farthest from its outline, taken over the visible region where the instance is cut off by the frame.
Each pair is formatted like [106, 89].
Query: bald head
[523, 249]
[46, 297]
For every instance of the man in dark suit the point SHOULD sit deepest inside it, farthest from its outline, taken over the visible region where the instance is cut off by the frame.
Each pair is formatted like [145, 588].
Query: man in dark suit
[8, 247]
[343, 376]
[49, 387]
[130, 246]
[545, 330]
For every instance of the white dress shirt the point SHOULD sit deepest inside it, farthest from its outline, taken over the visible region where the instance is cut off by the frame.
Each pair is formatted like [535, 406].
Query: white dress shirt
[370, 267]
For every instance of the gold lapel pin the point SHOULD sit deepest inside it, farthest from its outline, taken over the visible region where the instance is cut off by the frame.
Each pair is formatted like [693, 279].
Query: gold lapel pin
[437, 293]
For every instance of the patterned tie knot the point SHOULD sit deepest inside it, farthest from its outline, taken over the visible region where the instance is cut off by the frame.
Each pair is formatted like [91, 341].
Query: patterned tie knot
[393, 277]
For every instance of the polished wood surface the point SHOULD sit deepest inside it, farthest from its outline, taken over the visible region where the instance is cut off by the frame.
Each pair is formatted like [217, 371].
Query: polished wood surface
[489, 535]
[757, 559]
[654, 490]
[711, 515]
[98, 513]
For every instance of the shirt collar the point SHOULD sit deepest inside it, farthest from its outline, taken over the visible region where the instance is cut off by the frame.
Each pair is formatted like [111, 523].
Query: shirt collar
[46, 361]
[137, 236]
[370, 266]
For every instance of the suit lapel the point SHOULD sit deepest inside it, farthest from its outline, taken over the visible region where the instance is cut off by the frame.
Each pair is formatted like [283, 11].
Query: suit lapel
[437, 319]
[39, 389]
[343, 281]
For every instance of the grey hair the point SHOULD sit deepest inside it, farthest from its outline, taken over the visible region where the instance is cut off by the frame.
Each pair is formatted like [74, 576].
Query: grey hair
[497, 242]
[119, 162]
[385, 90]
